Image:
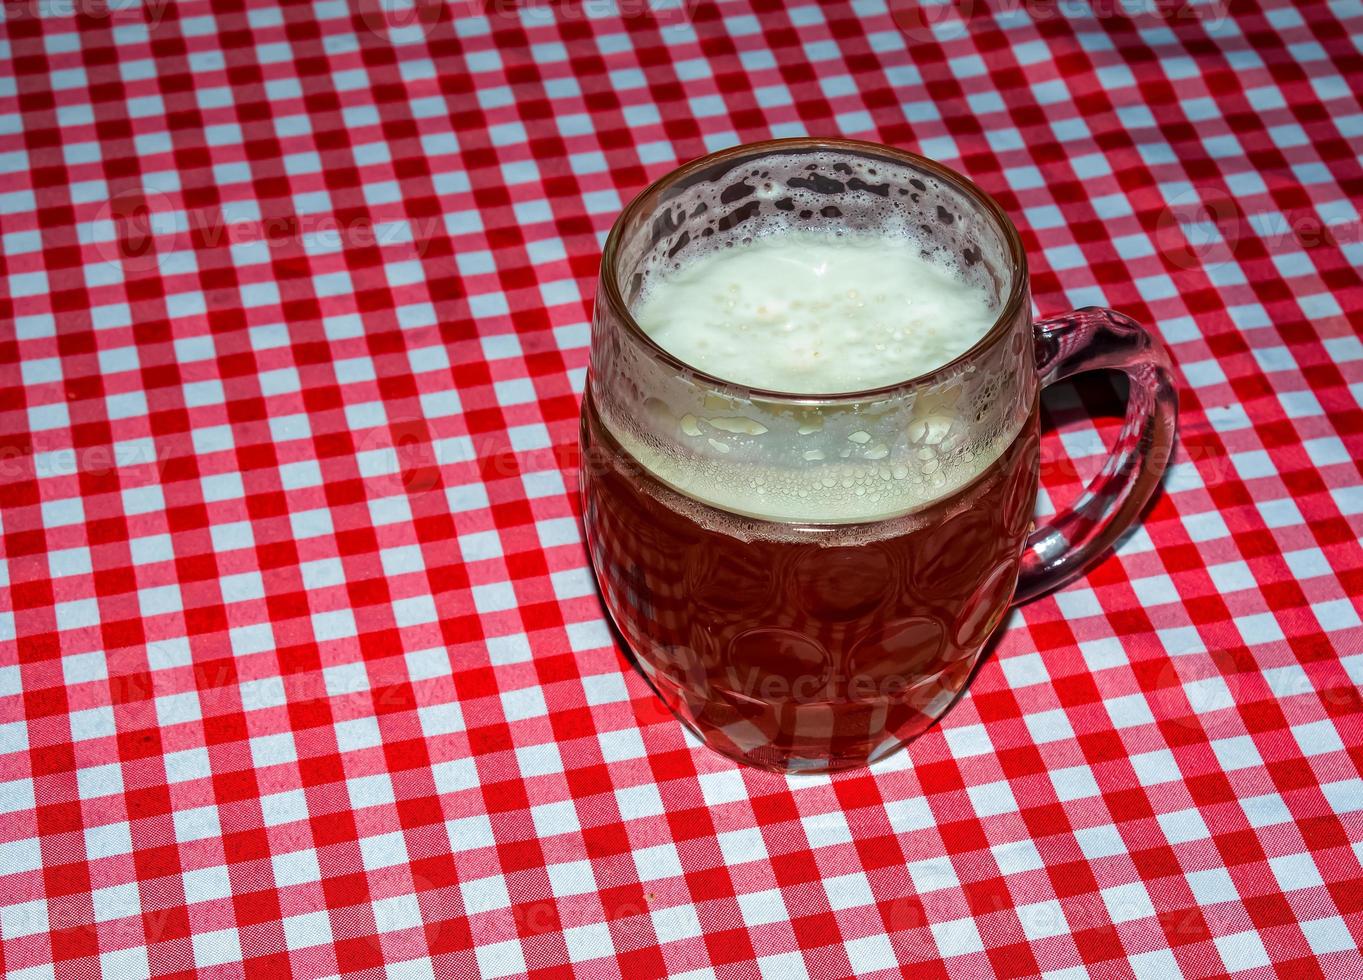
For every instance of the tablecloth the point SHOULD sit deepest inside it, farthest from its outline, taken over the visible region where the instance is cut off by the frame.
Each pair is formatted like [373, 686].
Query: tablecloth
[302, 671]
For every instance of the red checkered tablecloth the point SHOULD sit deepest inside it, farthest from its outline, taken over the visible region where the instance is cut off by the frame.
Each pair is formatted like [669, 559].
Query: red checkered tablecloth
[302, 671]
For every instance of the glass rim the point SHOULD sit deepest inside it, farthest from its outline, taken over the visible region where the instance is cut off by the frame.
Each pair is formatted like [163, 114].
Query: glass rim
[1008, 310]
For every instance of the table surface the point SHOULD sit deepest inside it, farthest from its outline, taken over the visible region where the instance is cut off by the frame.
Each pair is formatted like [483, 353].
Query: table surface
[301, 667]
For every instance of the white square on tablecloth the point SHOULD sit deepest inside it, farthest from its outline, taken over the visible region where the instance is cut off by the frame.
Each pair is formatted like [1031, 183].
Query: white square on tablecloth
[384, 851]
[1155, 767]
[871, 953]
[415, 611]
[289, 806]
[196, 823]
[187, 765]
[225, 537]
[371, 791]
[494, 597]
[657, 862]
[592, 634]
[397, 912]
[296, 868]
[571, 878]
[80, 668]
[1041, 920]
[355, 734]
[588, 942]
[91, 723]
[848, 891]
[1212, 886]
[1128, 902]
[1239, 752]
[1295, 871]
[722, 786]
[441, 719]
[1074, 783]
[1241, 951]
[93, 782]
[785, 966]
[636, 802]
[322, 573]
[255, 638]
[1101, 841]
[1329, 935]
[262, 693]
[1158, 964]
[741, 845]
[25, 855]
[273, 750]
[762, 908]
[991, 799]
[559, 817]
[606, 688]
[470, 833]
[337, 624]
[675, 923]
[307, 929]
[108, 840]
[1183, 826]
[484, 894]
[617, 746]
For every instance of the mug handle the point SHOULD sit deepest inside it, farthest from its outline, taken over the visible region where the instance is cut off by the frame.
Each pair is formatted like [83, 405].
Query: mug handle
[1094, 339]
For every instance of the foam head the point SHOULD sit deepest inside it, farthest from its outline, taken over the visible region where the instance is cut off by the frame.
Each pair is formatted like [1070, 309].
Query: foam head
[812, 273]
[815, 312]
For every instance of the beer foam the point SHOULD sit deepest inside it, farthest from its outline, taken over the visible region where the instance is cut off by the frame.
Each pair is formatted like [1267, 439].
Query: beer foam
[859, 501]
[815, 312]
[813, 274]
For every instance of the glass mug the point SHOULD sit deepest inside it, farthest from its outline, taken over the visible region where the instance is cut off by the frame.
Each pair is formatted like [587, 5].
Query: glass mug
[896, 524]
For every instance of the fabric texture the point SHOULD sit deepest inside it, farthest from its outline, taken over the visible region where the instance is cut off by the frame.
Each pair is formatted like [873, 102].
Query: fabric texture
[302, 670]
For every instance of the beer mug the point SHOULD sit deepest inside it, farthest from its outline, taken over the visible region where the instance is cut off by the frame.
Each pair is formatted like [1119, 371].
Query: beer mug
[808, 581]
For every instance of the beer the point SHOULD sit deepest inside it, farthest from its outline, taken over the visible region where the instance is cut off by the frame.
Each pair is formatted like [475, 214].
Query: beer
[810, 443]
[804, 622]
[801, 645]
